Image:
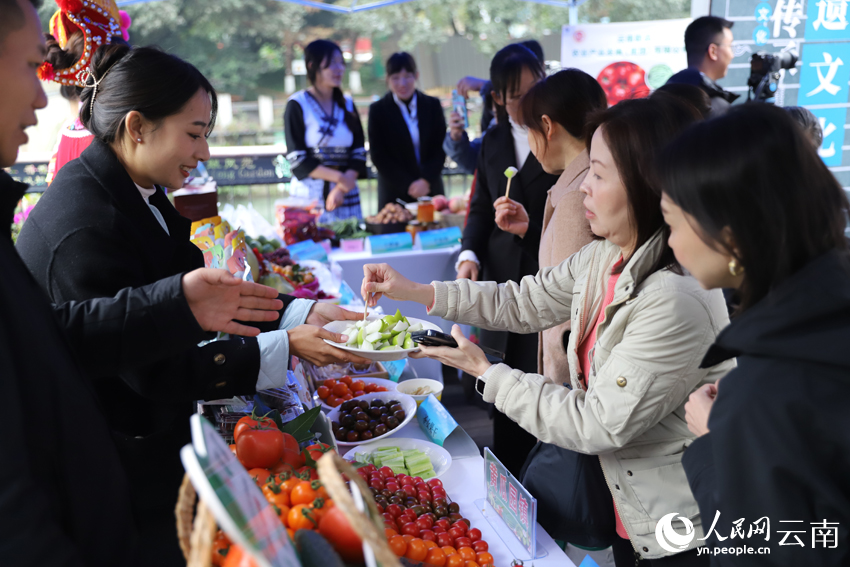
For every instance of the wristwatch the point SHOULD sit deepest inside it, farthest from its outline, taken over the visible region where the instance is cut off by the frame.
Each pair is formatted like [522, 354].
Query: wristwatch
[483, 381]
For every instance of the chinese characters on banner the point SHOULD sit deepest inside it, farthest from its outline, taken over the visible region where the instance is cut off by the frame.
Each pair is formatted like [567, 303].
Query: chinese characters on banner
[822, 534]
[511, 501]
[628, 59]
[818, 31]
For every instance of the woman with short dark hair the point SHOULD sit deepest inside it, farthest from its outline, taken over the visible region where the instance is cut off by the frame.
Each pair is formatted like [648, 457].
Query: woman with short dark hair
[751, 206]
[639, 328]
[406, 130]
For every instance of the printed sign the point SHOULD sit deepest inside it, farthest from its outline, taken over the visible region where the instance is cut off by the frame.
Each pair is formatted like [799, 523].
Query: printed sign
[383, 243]
[628, 59]
[825, 74]
[826, 20]
[441, 238]
[511, 501]
[234, 498]
[308, 250]
[435, 420]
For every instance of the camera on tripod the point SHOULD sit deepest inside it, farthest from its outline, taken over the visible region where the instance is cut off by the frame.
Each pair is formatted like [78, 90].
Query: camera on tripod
[764, 73]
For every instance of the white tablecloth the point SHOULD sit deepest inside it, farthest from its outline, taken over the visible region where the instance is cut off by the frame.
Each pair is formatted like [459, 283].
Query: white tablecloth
[422, 266]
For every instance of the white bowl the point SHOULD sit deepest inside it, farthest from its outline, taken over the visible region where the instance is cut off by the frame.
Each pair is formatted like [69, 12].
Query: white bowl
[380, 355]
[408, 404]
[409, 386]
[388, 384]
[440, 458]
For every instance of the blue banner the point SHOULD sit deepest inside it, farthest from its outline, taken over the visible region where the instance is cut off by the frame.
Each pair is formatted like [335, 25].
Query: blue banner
[825, 74]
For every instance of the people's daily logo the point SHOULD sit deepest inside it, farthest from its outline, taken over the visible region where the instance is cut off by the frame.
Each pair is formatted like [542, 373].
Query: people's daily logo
[671, 540]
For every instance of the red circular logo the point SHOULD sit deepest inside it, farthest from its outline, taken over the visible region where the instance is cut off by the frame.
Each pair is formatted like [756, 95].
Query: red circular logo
[623, 80]
[578, 35]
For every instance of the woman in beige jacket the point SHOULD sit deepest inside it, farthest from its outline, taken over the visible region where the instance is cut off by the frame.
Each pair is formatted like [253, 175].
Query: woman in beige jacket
[639, 332]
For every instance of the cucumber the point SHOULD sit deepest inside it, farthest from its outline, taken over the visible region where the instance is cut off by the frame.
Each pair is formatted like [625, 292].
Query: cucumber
[315, 551]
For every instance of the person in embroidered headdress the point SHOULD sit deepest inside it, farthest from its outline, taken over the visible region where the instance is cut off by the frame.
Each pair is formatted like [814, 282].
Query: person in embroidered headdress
[70, 46]
[324, 137]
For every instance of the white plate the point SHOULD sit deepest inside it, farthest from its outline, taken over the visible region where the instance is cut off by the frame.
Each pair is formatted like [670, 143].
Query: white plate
[388, 384]
[408, 404]
[440, 458]
[380, 355]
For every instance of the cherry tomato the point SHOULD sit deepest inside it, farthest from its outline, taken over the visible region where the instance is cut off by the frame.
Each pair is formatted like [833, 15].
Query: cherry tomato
[454, 560]
[474, 534]
[394, 510]
[346, 380]
[329, 384]
[445, 524]
[370, 387]
[484, 558]
[462, 542]
[435, 482]
[480, 545]
[358, 393]
[430, 544]
[333, 401]
[471, 564]
[410, 528]
[436, 557]
[300, 518]
[357, 385]
[340, 390]
[409, 490]
[455, 533]
[303, 493]
[260, 476]
[416, 550]
[380, 389]
[323, 392]
[386, 472]
[461, 525]
[467, 553]
[444, 539]
[438, 530]
[408, 538]
[398, 545]
[347, 397]
[428, 535]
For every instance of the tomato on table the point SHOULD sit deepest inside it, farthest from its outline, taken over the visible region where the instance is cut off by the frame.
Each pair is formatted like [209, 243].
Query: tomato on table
[251, 421]
[259, 447]
[398, 545]
[416, 550]
[335, 528]
[300, 518]
[484, 558]
[303, 493]
[260, 476]
[436, 557]
[455, 561]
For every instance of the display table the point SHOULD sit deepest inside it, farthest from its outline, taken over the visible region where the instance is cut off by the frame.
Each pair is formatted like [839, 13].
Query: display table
[464, 483]
[422, 266]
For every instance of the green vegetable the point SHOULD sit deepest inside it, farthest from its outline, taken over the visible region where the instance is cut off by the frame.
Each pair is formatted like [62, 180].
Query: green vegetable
[412, 462]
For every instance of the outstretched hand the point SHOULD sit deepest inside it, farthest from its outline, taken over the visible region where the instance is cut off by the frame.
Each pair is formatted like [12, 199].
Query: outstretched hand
[218, 300]
[381, 279]
[308, 343]
[323, 313]
[467, 357]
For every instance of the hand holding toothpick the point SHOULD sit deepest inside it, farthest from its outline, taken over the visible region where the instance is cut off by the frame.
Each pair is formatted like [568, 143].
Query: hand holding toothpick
[509, 173]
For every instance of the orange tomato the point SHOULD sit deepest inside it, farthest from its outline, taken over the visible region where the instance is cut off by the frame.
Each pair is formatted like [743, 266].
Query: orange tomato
[449, 550]
[260, 476]
[357, 386]
[370, 387]
[284, 513]
[329, 384]
[333, 401]
[408, 538]
[300, 518]
[398, 545]
[288, 484]
[430, 544]
[340, 390]
[467, 553]
[303, 493]
[484, 558]
[233, 448]
[454, 561]
[291, 533]
[389, 533]
[471, 564]
[323, 392]
[346, 380]
[380, 389]
[416, 550]
[436, 557]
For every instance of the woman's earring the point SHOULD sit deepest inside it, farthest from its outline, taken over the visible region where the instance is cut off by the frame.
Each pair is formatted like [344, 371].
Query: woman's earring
[734, 268]
[139, 140]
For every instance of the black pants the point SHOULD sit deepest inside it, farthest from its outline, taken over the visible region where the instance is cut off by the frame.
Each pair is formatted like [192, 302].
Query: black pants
[624, 556]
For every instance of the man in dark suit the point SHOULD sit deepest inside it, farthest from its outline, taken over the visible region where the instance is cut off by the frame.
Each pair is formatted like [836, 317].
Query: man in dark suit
[708, 42]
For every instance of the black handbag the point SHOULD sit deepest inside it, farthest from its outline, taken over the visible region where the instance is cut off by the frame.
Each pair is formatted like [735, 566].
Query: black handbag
[574, 503]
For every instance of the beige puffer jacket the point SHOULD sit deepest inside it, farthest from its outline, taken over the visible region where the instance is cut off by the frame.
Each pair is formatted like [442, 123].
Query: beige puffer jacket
[644, 365]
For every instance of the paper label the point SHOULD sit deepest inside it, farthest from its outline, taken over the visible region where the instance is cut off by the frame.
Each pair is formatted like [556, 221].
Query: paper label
[395, 368]
[382, 243]
[308, 250]
[441, 238]
[435, 420]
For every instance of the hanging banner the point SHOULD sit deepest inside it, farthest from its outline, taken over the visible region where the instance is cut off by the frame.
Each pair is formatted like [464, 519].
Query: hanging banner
[628, 59]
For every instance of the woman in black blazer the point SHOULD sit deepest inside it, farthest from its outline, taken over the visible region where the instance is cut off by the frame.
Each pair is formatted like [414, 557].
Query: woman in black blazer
[490, 254]
[105, 224]
[406, 131]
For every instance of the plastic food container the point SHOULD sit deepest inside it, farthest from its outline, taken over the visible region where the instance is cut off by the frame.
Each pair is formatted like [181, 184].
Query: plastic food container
[410, 386]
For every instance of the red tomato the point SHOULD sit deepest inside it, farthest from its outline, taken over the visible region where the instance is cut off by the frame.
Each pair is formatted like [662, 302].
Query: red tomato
[335, 528]
[323, 392]
[445, 524]
[423, 524]
[474, 534]
[238, 557]
[357, 385]
[346, 380]
[394, 510]
[410, 528]
[428, 535]
[329, 384]
[463, 542]
[455, 533]
[445, 540]
[260, 476]
[386, 472]
[260, 447]
[333, 401]
[435, 482]
[340, 390]
[358, 393]
[249, 422]
[461, 525]
[480, 545]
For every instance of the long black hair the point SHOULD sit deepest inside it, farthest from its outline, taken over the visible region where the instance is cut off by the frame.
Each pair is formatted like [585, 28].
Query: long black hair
[144, 79]
[317, 56]
[754, 172]
[636, 131]
[506, 73]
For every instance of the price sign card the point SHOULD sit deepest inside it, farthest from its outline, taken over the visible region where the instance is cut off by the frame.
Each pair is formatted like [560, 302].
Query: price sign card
[308, 250]
[383, 243]
[441, 238]
[234, 498]
[435, 420]
[512, 503]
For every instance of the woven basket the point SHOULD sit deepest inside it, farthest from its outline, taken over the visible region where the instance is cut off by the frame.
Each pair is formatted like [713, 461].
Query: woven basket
[195, 528]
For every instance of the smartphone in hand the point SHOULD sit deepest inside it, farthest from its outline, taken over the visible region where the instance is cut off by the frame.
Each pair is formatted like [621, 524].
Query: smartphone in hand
[430, 337]
[459, 106]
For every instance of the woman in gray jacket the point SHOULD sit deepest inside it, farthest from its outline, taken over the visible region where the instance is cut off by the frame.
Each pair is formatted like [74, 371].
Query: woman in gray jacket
[640, 328]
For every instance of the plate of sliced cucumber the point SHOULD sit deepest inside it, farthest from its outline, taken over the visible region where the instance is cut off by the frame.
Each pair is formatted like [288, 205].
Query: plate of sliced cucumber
[413, 457]
[380, 338]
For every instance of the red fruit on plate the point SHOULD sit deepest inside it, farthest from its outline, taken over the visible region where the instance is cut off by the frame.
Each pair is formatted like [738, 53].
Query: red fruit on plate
[428, 535]
[435, 482]
[386, 472]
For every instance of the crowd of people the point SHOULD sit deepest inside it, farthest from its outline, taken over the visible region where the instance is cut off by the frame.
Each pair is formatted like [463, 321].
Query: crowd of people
[606, 278]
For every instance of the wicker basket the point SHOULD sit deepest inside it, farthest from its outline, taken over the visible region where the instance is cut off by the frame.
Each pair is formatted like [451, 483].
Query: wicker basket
[196, 526]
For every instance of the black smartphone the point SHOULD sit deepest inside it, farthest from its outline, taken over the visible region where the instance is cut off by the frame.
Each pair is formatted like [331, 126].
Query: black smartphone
[429, 337]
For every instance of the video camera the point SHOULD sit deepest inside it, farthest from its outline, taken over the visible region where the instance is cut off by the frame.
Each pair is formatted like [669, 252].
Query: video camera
[764, 73]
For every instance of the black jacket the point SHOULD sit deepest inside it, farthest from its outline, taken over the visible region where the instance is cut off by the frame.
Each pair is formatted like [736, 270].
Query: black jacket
[503, 256]
[392, 150]
[92, 234]
[779, 441]
[64, 496]
[721, 99]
